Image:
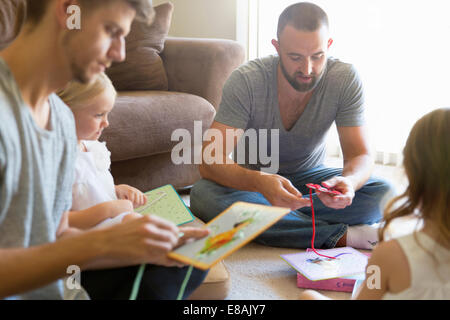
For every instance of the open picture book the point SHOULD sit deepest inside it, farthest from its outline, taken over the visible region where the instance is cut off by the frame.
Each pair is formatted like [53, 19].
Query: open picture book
[230, 230]
[165, 203]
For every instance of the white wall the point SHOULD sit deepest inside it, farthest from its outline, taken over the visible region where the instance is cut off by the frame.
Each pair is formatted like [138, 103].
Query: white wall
[203, 18]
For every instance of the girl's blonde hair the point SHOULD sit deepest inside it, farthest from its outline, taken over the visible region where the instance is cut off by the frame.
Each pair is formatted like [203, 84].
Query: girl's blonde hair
[76, 95]
[427, 166]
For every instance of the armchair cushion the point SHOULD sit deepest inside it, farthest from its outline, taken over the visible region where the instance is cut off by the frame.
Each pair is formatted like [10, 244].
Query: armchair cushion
[143, 68]
[142, 122]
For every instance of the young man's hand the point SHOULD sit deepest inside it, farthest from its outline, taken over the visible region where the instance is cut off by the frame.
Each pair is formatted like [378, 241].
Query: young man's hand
[143, 240]
[191, 233]
[280, 192]
[126, 192]
[188, 234]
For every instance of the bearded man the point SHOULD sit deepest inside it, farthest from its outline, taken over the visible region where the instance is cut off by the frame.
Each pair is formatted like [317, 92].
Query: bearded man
[300, 93]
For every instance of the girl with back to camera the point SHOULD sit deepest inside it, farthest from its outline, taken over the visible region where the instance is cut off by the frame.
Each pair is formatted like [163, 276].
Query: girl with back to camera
[417, 266]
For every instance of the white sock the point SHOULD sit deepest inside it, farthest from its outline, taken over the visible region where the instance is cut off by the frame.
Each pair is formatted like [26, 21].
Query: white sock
[362, 236]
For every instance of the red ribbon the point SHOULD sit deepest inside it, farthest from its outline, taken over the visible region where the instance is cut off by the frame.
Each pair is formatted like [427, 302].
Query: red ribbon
[314, 227]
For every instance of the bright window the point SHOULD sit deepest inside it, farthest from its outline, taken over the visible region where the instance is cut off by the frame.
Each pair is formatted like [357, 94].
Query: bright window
[401, 49]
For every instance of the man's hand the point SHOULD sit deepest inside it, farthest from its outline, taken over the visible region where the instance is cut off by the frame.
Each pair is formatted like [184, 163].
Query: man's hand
[126, 192]
[192, 233]
[341, 184]
[280, 192]
[189, 233]
[143, 240]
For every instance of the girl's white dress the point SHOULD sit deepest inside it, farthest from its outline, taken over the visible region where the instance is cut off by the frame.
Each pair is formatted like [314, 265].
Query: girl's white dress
[93, 182]
[430, 278]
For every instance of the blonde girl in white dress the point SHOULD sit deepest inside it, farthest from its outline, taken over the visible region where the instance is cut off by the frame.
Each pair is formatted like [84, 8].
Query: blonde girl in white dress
[96, 200]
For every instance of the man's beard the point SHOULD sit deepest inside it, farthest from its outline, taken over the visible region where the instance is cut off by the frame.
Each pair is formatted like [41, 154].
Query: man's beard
[78, 73]
[301, 87]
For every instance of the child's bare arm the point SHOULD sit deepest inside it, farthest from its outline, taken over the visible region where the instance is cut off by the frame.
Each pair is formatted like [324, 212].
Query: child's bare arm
[90, 217]
[387, 271]
[377, 274]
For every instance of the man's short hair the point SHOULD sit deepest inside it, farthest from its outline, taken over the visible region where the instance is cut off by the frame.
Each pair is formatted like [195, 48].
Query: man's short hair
[144, 10]
[304, 16]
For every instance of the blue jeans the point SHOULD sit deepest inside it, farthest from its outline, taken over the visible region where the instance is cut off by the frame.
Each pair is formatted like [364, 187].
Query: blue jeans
[208, 199]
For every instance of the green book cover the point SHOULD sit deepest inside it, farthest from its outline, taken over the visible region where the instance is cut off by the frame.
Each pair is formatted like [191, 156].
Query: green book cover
[165, 202]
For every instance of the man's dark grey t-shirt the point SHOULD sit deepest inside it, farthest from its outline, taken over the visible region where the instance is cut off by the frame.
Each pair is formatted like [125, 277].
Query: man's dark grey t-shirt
[36, 174]
[250, 101]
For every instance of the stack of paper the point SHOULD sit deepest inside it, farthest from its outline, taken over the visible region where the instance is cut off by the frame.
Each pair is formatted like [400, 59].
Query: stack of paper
[349, 262]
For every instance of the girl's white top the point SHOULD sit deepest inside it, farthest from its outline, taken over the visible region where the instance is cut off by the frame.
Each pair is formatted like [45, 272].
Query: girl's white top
[94, 183]
[430, 278]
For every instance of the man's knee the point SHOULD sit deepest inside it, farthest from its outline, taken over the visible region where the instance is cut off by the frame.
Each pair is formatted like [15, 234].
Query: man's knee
[203, 192]
[383, 191]
[208, 199]
[378, 188]
[205, 202]
[377, 193]
[200, 187]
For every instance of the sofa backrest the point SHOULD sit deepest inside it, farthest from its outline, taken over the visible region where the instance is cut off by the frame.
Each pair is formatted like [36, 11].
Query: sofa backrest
[12, 16]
